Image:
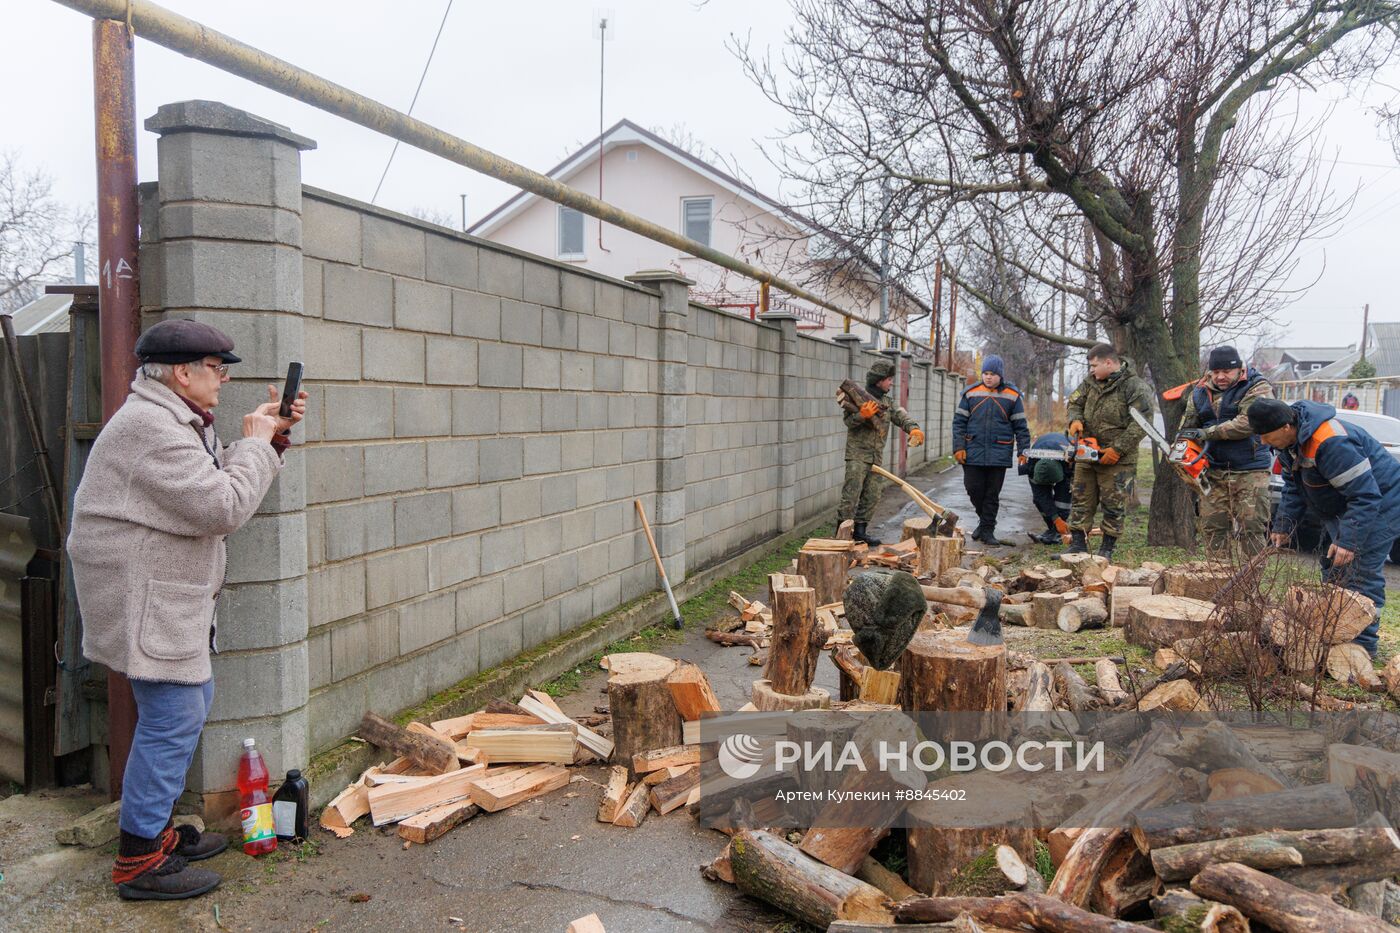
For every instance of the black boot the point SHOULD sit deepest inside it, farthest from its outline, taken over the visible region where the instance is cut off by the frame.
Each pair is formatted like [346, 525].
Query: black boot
[860, 535]
[1106, 546]
[980, 535]
[149, 870]
[1077, 544]
[990, 538]
[196, 846]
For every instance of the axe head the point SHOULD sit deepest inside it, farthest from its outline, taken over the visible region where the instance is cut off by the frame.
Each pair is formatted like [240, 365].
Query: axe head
[987, 629]
[947, 524]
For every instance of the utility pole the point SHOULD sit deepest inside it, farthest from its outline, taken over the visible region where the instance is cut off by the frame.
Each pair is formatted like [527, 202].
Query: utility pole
[1365, 327]
[936, 328]
[602, 19]
[464, 213]
[884, 250]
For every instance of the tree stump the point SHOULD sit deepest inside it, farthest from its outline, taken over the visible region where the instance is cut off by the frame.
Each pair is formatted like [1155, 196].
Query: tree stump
[816, 728]
[941, 672]
[768, 700]
[943, 841]
[1158, 621]
[1197, 579]
[937, 554]
[825, 572]
[1085, 612]
[1121, 599]
[644, 716]
[918, 528]
[796, 641]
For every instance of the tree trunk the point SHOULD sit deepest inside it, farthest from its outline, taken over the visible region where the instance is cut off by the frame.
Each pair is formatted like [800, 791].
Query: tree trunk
[775, 872]
[1278, 904]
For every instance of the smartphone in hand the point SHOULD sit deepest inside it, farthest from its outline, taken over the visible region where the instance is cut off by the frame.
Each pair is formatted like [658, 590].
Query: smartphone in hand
[289, 392]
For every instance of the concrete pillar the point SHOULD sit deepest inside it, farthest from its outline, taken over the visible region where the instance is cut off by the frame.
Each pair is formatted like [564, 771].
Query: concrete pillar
[229, 220]
[852, 343]
[928, 417]
[668, 524]
[896, 435]
[789, 411]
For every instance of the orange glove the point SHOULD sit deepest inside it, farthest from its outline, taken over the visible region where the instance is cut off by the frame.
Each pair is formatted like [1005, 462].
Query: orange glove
[1076, 428]
[960, 456]
[1109, 457]
[916, 438]
[1021, 460]
[869, 410]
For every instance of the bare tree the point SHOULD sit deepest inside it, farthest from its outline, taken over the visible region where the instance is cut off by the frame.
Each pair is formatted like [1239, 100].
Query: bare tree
[435, 215]
[37, 233]
[1142, 156]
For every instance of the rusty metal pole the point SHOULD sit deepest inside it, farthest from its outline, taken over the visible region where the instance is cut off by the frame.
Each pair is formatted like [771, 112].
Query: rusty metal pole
[119, 321]
[936, 330]
[952, 323]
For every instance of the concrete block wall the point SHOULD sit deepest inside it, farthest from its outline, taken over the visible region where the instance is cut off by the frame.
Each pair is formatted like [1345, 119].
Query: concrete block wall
[480, 422]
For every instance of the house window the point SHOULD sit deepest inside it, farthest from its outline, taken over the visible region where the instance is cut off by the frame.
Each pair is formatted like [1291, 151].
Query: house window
[696, 216]
[570, 233]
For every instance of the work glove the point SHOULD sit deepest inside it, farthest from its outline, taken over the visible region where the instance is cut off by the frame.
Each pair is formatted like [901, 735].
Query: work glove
[1076, 428]
[960, 456]
[1109, 457]
[1021, 460]
[869, 410]
[1192, 434]
[916, 438]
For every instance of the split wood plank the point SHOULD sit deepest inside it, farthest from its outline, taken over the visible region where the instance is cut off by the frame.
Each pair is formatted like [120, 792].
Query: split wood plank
[500, 788]
[658, 758]
[551, 743]
[424, 827]
[589, 739]
[614, 794]
[389, 803]
[634, 808]
[673, 793]
[692, 693]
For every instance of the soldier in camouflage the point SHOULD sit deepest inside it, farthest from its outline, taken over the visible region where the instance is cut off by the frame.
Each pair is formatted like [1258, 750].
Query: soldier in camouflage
[1099, 409]
[1237, 506]
[866, 429]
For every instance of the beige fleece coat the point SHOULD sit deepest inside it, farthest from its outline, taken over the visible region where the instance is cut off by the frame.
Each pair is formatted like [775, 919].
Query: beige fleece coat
[147, 537]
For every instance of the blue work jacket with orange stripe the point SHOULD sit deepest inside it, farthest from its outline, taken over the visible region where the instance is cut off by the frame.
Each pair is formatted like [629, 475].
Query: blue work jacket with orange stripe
[1339, 471]
[987, 422]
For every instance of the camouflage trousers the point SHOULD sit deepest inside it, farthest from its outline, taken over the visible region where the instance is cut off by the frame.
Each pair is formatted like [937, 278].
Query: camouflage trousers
[1235, 513]
[1097, 485]
[860, 493]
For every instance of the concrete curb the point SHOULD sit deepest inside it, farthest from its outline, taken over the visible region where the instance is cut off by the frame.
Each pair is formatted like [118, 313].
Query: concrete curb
[331, 770]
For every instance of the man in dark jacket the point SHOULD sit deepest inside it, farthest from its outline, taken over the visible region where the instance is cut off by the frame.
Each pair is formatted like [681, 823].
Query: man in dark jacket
[867, 426]
[1099, 409]
[1344, 476]
[989, 418]
[1217, 415]
[1050, 491]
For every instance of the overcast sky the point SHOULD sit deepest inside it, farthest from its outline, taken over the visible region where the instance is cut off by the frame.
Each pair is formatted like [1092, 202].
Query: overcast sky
[521, 79]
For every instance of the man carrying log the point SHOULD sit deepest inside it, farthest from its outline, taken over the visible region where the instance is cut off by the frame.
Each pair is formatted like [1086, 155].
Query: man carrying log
[989, 416]
[1236, 505]
[1098, 411]
[868, 422]
[1344, 476]
[1049, 479]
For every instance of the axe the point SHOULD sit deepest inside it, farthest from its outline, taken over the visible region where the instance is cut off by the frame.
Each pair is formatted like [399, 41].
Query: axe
[946, 519]
[986, 630]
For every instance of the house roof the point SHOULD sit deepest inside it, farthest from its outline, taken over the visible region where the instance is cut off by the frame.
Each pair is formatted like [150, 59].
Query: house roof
[625, 132]
[1302, 354]
[1383, 352]
[47, 314]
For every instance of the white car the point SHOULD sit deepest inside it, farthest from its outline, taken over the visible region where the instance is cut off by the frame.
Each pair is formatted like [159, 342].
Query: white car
[1386, 431]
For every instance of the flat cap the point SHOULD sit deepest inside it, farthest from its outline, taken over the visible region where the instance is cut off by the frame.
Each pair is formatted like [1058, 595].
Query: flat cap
[177, 340]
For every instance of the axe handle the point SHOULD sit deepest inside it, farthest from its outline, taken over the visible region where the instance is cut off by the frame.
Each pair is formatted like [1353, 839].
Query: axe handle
[933, 509]
[956, 596]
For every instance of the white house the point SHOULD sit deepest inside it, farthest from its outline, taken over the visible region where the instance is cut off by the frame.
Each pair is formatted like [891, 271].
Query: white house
[654, 179]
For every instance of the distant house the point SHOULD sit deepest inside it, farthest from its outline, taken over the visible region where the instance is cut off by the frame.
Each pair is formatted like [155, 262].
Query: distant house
[1287, 363]
[1331, 383]
[658, 181]
[1382, 352]
[47, 314]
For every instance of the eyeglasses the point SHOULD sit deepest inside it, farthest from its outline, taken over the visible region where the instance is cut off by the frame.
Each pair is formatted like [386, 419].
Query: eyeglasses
[220, 368]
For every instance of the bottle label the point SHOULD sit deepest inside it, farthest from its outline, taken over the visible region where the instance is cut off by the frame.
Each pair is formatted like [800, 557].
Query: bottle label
[257, 822]
[284, 817]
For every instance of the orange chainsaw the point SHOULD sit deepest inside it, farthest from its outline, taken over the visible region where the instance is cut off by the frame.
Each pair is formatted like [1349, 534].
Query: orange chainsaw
[1187, 457]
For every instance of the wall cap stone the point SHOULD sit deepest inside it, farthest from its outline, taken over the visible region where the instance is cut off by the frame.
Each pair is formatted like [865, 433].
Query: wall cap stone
[211, 116]
[658, 276]
[778, 317]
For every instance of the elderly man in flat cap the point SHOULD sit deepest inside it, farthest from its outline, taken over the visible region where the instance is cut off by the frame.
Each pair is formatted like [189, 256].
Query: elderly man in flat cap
[158, 496]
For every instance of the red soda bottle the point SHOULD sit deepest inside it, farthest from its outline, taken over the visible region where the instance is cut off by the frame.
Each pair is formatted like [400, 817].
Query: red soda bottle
[255, 805]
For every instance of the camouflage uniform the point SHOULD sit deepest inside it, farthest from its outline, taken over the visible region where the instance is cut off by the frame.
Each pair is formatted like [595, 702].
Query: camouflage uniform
[1237, 506]
[1103, 408]
[865, 445]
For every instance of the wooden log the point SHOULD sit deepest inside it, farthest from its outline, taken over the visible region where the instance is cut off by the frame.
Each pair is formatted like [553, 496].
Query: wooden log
[1199, 580]
[672, 793]
[1039, 694]
[1087, 612]
[1140, 577]
[1337, 614]
[937, 554]
[345, 808]
[1333, 880]
[1180, 909]
[1073, 689]
[1390, 677]
[825, 572]
[424, 827]
[1225, 654]
[846, 530]
[1029, 579]
[389, 803]
[1080, 564]
[1275, 850]
[1176, 695]
[634, 808]
[500, 788]
[819, 729]
[1370, 775]
[770, 869]
[1045, 609]
[458, 728]
[588, 924]
[730, 639]
[1159, 621]
[691, 692]
[614, 794]
[1229, 783]
[595, 743]
[1121, 599]
[1108, 683]
[850, 667]
[1278, 904]
[657, 759]
[941, 672]
[1215, 747]
[1350, 663]
[797, 641]
[1013, 911]
[1368, 898]
[916, 528]
[644, 716]
[434, 754]
[995, 870]
[1317, 806]
[765, 698]
[894, 886]
[547, 742]
[879, 686]
[1015, 613]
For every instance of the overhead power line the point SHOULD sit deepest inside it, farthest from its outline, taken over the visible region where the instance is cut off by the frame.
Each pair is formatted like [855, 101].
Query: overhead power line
[413, 103]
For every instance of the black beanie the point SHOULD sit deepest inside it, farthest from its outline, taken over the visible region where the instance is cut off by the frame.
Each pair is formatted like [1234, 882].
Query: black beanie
[1226, 357]
[1269, 414]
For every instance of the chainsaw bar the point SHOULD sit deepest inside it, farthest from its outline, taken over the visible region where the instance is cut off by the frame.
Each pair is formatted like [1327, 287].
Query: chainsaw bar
[1199, 484]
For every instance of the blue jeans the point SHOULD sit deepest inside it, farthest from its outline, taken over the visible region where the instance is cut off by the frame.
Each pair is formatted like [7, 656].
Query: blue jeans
[170, 718]
[1365, 575]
